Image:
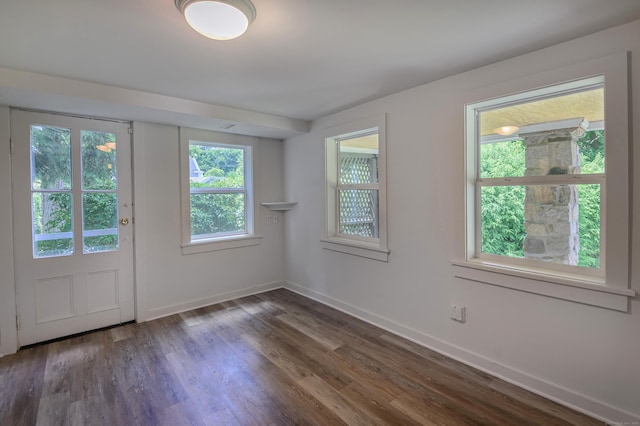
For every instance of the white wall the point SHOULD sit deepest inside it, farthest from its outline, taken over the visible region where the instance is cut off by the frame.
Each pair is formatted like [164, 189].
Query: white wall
[168, 281]
[585, 356]
[7, 287]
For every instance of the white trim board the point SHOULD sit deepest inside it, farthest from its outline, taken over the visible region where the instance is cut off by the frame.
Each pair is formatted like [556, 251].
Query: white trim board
[8, 332]
[551, 391]
[72, 96]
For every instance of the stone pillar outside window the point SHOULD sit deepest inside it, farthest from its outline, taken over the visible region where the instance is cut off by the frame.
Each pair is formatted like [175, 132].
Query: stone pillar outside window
[551, 211]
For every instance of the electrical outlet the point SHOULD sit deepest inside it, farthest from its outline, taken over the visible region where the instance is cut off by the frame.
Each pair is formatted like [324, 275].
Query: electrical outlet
[272, 218]
[458, 313]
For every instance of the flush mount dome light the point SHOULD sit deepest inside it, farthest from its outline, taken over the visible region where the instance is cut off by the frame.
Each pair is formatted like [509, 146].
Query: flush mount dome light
[506, 130]
[218, 20]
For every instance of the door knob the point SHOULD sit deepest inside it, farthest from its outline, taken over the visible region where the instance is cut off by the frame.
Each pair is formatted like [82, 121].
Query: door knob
[124, 221]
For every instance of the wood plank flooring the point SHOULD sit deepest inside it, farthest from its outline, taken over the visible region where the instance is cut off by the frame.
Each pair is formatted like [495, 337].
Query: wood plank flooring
[272, 359]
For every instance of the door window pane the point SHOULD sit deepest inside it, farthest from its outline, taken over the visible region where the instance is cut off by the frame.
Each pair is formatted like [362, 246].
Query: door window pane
[98, 160]
[51, 211]
[50, 158]
[52, 218]
[100, 222]
[99, 197]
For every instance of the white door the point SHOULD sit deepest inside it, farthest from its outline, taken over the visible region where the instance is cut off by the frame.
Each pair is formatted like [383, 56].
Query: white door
[73, 237]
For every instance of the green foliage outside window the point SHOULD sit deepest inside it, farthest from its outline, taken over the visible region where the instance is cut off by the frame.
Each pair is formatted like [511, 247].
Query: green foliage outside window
[100, 209]
[502, 214]
[503, 206]
[222, 168]
[52, 209]
[51, 171]
[592, 161]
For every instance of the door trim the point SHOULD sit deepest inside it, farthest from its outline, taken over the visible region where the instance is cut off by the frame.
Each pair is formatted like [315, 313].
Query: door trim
[8, 325]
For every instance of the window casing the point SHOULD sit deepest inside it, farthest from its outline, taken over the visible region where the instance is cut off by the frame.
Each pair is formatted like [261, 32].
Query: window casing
[541, 185]
[356, 185]
[217, 190]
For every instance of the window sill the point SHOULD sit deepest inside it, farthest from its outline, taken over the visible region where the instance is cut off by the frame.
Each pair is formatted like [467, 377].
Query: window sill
[221, 244]
[575, 289]
[357, 249]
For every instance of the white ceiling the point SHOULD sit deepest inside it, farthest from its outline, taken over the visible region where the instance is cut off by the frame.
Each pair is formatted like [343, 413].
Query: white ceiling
[299, 60]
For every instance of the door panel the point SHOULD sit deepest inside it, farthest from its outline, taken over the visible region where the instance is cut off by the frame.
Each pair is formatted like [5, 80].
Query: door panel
[73, 256]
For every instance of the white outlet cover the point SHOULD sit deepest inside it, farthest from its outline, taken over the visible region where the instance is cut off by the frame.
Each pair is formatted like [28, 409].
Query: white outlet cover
[458, 313]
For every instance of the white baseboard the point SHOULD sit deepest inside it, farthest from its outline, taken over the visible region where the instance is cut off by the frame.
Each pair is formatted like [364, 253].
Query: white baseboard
[211, 300]
[554, 392]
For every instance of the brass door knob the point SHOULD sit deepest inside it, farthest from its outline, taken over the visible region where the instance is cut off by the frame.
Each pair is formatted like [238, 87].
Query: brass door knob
[124, 221]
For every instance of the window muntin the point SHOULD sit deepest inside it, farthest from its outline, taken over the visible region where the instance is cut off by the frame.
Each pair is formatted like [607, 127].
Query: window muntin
[218, 191]
[540, 188]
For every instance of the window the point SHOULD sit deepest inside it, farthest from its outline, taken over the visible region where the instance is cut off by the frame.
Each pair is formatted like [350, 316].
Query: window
[54, 193]
[540, 178]
[542, 170]
[217, 192]
[355, 174]
[51, 191]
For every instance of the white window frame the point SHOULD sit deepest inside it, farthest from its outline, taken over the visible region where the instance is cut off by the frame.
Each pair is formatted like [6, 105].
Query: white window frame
[607, 287]
[372, 248]
[226, 240]
[595, 274]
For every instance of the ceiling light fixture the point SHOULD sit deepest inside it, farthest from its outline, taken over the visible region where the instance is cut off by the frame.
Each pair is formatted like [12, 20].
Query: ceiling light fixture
[506, 130]
[218, 20]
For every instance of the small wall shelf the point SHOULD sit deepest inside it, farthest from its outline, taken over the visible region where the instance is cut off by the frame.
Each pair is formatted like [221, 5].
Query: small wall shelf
[280, 205]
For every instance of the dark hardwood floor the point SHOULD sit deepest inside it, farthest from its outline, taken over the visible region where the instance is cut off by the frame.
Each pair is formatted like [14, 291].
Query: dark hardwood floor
[276, 358]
